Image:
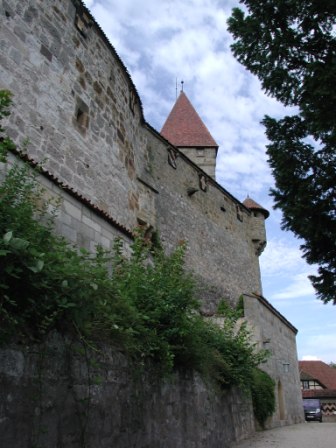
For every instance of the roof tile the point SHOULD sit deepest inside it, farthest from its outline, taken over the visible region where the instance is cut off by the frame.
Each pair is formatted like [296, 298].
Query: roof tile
[253, 205]
[185, 128]
[320, 371]
[319, 393]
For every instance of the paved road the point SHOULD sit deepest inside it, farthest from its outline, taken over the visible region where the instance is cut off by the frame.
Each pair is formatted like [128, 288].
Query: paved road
[304, 435]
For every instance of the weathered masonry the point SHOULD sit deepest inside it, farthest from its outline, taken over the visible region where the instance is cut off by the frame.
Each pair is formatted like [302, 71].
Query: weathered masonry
[76, 104]
[49, 394]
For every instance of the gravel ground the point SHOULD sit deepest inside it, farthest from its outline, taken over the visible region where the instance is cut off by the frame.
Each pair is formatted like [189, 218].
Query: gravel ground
[304, 435]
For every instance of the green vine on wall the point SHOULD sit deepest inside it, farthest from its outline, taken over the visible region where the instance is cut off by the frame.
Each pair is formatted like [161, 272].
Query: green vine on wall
[263, 396]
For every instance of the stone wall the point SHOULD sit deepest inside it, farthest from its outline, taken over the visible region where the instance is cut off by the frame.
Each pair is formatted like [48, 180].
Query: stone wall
[76, 219]
[77, 106]
[54, 397]
[203, 157]
[273, 333]
[73, 101]
[215, 225]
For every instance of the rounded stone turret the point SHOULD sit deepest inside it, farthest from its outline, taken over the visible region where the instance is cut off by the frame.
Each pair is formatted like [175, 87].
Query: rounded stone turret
[258, 231]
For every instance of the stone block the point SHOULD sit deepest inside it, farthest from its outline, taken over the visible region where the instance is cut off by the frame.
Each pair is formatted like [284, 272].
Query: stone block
[73, 210]
[69, 233]
[92, 223]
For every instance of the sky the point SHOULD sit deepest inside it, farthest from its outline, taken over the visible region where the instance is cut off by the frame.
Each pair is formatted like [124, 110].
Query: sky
[164, 42]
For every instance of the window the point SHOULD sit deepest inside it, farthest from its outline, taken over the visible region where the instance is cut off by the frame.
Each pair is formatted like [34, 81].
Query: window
[81, 118]
[286, 367]
[132, 100]
[203, 182]
[239, 213]
[46, 53]
[82, 22]
[172, 156]
[310, 384]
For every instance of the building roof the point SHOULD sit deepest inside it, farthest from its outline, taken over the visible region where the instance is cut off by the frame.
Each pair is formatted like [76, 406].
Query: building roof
[273, 310]
[320, 371]
[185, 128]
[319, 393]
[306, 376]
[253, 205]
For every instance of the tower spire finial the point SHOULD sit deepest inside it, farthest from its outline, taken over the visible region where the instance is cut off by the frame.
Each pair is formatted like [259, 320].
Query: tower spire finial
[182, 82]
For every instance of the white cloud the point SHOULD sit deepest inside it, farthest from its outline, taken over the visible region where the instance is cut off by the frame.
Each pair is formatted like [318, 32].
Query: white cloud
[283, 256]
[300, 286]
[310, 358]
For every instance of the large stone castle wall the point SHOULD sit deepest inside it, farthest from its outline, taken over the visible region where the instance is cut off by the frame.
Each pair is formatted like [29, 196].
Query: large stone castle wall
[77, 106]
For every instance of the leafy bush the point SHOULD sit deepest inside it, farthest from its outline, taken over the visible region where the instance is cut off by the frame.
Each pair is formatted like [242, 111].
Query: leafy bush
[44, 283]
[263, 397]
[224, 309]
[145, 303]
[5, 143]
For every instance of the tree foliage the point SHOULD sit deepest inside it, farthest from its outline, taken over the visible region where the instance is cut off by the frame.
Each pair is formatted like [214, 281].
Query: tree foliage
[291, 46]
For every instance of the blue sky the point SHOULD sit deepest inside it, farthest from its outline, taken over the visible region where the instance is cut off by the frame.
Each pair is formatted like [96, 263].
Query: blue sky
[168, 40]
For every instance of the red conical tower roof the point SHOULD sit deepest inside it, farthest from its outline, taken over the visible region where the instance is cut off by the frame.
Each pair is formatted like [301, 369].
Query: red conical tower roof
[185, 128]
[253, 205]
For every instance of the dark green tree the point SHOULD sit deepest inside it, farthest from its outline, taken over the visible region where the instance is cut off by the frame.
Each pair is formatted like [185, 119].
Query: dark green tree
[291, 46]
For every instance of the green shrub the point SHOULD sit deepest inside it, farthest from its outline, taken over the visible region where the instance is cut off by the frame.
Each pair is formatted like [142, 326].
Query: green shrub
[263, 397]
[6, 143]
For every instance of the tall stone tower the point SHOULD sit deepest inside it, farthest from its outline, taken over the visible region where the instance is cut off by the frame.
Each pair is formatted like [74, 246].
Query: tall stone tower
[185, 129]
